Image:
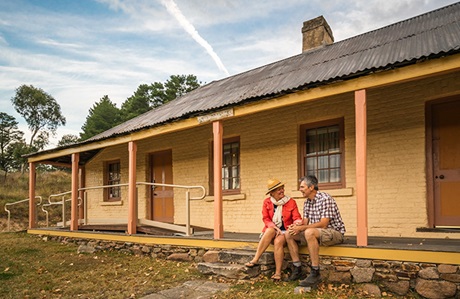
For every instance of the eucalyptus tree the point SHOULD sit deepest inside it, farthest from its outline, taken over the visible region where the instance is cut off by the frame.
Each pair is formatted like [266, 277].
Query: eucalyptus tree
[40, 110]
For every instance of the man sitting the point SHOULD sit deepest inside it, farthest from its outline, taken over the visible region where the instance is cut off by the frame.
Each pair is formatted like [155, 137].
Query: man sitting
[321, 225]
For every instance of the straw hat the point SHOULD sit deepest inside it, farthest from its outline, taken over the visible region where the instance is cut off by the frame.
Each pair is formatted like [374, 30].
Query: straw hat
[272, 184]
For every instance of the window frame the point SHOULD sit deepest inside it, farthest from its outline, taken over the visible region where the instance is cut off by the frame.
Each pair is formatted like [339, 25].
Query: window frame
[211, 163]
[303, 149]
[107, 181]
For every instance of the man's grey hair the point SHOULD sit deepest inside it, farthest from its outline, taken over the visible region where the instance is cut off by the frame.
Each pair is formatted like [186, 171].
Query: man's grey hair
[310, 180]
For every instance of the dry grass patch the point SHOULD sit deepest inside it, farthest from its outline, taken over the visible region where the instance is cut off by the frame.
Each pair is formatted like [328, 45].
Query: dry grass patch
[33, 268]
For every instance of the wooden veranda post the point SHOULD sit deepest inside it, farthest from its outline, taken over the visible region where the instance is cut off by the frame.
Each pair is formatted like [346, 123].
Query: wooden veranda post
[32, 205]
[74, 190]
[217, 169]
[132, 194]
[361, 166]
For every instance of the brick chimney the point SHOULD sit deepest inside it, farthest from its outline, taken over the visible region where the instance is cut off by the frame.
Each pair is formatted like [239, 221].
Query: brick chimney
[316, 33]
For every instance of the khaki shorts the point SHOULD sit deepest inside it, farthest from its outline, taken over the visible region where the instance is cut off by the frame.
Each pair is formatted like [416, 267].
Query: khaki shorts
[328, 237]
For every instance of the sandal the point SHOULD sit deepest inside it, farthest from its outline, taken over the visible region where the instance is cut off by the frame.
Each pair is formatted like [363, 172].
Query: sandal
[276, 277]
[251, 264]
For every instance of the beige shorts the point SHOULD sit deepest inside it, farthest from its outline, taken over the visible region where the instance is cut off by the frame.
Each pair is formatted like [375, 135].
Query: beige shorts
[328, 237]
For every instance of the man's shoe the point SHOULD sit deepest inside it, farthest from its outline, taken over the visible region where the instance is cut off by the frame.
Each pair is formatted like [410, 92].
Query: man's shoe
[296, 273]
[312, 280]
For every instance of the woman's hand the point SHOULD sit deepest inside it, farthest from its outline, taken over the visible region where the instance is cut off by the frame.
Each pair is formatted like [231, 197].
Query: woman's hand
[278, 231]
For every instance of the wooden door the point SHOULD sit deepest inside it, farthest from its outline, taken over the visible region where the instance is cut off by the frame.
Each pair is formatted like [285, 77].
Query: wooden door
[446, 163]
[162, 198]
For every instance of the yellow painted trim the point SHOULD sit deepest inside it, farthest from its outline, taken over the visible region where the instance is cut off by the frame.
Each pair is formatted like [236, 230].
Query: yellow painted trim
[382, 78]
[416, 256]
[149, 240]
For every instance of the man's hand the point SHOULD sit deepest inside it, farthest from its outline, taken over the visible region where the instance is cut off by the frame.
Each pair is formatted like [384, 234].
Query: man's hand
[295, 229]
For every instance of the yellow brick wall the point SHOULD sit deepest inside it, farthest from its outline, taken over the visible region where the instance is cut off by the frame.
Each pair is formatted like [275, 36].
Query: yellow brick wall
[94, 171]
[269, 148]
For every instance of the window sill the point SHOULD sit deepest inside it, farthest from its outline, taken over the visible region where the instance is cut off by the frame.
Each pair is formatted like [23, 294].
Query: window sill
[232, 197]
[438, 230]
[344, 192]
[112, 203]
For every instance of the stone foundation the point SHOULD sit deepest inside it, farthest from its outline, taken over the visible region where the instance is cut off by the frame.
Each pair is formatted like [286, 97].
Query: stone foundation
[397, 277]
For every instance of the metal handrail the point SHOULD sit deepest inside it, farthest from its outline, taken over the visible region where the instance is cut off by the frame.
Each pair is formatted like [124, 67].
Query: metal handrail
[18, 202]
[187, 199]
[187, 196]
[62, 202]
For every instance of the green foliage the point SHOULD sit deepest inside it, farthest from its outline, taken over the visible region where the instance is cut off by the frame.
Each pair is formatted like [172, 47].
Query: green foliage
[178, 85]
[40, 141]
[11, 139]
[156, 94]
[19, 162]
[102, 116]
[68, 139]
[174, 87]
[39, 109]
[138, 103]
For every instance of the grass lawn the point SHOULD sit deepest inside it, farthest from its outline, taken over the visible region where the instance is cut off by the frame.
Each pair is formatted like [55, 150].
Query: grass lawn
[31, 267]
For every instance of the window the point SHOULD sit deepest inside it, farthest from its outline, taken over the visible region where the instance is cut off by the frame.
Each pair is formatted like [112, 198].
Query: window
[322, 153]
[113, 178]
[230, 167]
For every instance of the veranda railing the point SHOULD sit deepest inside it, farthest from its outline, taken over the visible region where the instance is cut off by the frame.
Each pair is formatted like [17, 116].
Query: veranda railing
[64, 199]
[18, 202]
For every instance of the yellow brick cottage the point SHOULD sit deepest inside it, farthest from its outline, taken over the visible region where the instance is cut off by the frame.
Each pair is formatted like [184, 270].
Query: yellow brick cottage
[375, 117]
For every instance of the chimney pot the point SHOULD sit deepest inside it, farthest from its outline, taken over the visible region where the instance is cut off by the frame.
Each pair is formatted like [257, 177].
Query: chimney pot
[316, 33]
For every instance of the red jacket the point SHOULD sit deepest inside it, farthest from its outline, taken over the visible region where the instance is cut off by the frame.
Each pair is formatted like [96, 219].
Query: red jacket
[290, 213]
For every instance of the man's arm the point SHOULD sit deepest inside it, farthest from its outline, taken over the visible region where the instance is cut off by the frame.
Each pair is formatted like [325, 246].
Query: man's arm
[297, 228]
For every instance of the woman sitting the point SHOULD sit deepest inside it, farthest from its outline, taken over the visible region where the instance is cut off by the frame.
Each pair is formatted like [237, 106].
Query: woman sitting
[278, 212]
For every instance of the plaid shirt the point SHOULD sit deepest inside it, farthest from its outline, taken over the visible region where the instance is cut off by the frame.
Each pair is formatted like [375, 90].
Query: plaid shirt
[323, 206]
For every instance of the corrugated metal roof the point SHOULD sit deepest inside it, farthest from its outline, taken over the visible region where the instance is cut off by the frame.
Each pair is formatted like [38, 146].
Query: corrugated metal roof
[429, 35]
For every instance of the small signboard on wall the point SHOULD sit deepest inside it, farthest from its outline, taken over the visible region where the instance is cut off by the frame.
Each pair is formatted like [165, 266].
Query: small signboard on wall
[215, 116]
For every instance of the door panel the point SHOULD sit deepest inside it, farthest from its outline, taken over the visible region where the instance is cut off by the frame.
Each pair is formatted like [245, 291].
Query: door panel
[446, 163]
[162, 198]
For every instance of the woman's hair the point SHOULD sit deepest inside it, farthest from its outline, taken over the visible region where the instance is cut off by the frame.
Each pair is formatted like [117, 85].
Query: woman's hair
[310, 180]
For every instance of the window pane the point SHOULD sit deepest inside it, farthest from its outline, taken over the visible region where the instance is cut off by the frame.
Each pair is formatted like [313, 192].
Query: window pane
[323, 146]
[334, 140]
[235, 159]
[224, 184]
[236, 183]
[311, 164]
[323, 162]
[235, 171]
[335, 175]
[335, 161]
[227, 160]
[225, 172]
[311, 141]
[323, 176]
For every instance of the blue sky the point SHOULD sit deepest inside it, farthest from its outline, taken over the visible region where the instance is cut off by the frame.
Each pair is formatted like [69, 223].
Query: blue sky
[80, 50]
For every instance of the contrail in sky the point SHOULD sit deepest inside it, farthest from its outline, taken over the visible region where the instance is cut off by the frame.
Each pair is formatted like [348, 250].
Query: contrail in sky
[190, 29]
